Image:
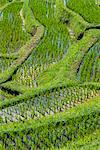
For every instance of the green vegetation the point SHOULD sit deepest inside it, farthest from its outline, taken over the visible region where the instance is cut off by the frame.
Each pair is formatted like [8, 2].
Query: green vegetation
[52, 131]
[30, 21]
[90, 66]
[4, 95]
[49, 75]
[3, 2]
[89, 141]
[86, 8]
[12, 36]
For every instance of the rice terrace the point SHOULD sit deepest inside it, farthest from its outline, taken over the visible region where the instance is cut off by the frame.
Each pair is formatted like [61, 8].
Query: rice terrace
[49, 74]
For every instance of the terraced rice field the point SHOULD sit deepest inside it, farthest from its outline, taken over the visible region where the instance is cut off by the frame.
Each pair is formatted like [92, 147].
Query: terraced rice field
[49, 75]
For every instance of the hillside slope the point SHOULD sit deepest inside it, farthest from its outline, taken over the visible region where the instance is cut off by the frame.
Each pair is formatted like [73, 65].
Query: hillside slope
[49, 74]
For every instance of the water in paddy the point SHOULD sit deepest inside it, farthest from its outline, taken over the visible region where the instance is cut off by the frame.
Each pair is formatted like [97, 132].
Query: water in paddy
[64, 2]
[1, 16]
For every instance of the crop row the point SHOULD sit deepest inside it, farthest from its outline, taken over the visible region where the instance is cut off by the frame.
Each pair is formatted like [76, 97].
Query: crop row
[90, 67]
[44, 104]
[12, 37]
[51, 132]
[52, 48]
